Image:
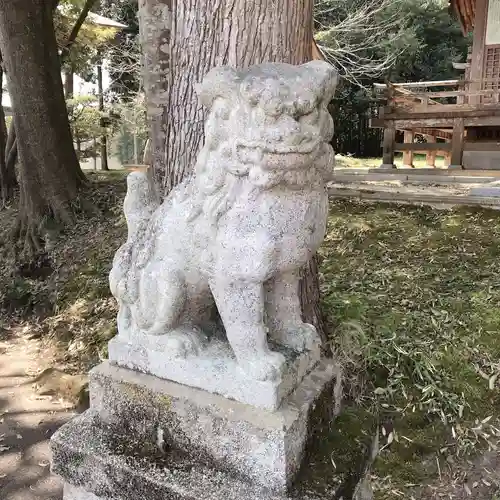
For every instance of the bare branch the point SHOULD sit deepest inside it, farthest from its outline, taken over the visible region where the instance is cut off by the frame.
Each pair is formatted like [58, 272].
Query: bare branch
[363, 44]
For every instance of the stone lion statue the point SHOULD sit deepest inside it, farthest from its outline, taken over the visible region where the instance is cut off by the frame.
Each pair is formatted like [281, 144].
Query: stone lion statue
[238, 232]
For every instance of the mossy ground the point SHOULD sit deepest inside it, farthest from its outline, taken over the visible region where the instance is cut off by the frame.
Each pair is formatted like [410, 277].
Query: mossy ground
[412, 300]
[412, 297]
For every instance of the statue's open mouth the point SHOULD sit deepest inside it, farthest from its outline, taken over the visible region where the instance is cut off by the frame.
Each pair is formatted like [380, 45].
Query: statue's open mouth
[306, 146]
[277, 156]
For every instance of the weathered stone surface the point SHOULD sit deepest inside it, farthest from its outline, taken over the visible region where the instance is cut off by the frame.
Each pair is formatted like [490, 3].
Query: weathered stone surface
[92, 458]
[215, 369]
[110, 476]
[236, 235]
[74, 493]
[264, 447]
[176, 440]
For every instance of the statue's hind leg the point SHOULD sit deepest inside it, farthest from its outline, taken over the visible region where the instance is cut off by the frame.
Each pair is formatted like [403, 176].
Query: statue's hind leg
[284, 315]
[241, 306]
[163, 297]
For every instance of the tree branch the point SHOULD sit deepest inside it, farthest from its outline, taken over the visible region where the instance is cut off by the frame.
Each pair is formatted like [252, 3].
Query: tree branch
[361, 38]
[76, 29]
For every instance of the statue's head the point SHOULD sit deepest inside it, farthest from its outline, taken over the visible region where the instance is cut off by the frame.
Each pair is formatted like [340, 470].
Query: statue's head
[266, 123]
[270, 110]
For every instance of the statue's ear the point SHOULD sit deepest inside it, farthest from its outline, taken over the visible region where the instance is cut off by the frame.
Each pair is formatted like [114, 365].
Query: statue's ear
[324, 76]
[218, 82]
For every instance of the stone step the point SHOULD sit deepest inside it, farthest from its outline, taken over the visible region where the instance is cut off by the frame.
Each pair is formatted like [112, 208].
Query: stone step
[411, 178]
[415, 198]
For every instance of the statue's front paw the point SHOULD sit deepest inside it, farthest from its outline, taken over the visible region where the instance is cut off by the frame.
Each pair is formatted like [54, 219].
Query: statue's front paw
[263, 366]
[301, 337]
[182, 342]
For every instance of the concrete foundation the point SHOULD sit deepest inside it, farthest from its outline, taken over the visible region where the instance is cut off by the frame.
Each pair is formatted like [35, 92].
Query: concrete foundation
[491, 190]
[386, 166]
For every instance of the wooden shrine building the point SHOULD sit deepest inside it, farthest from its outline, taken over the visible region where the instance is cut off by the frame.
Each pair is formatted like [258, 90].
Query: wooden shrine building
[459, 119]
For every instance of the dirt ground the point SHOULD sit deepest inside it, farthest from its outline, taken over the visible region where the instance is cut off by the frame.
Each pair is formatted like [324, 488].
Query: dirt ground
[27, 421]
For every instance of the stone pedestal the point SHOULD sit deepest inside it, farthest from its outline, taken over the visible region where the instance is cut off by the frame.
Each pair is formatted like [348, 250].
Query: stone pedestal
[386, 166]
[144, 437]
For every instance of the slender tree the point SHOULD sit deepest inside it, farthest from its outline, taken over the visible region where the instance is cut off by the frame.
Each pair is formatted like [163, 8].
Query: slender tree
[182, 40]
[49, 172]
[8, 180]
[104, 137]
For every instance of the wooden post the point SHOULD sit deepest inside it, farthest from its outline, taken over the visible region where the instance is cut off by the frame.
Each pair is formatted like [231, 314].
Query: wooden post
[408, 155]
[430, 159]
[477, 58]
[457, 143]
[447, 159]
[388, 146]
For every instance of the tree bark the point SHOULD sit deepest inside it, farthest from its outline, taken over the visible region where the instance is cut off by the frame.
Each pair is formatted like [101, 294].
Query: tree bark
[184, 39]
[49, 171]
[12, 150]
[155, 26]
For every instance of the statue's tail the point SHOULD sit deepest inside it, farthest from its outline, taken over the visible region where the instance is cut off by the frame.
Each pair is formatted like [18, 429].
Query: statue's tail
[140, 203]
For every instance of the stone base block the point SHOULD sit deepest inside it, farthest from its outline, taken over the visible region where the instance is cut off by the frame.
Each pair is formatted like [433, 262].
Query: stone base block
[100, 466]
[262, 446]
[214, 370]
[386, 166]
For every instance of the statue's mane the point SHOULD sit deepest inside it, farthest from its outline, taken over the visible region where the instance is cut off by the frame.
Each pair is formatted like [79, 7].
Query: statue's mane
[259, 95]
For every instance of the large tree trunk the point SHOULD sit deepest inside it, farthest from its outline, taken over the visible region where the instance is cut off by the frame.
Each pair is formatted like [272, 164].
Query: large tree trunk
[49, 171]
[183, 40]
[155, 24]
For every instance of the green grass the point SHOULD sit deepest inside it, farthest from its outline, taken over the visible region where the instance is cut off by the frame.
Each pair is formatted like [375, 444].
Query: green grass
[412, 296]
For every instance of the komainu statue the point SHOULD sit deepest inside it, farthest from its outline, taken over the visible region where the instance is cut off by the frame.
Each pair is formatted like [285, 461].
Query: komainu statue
[238, 232]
